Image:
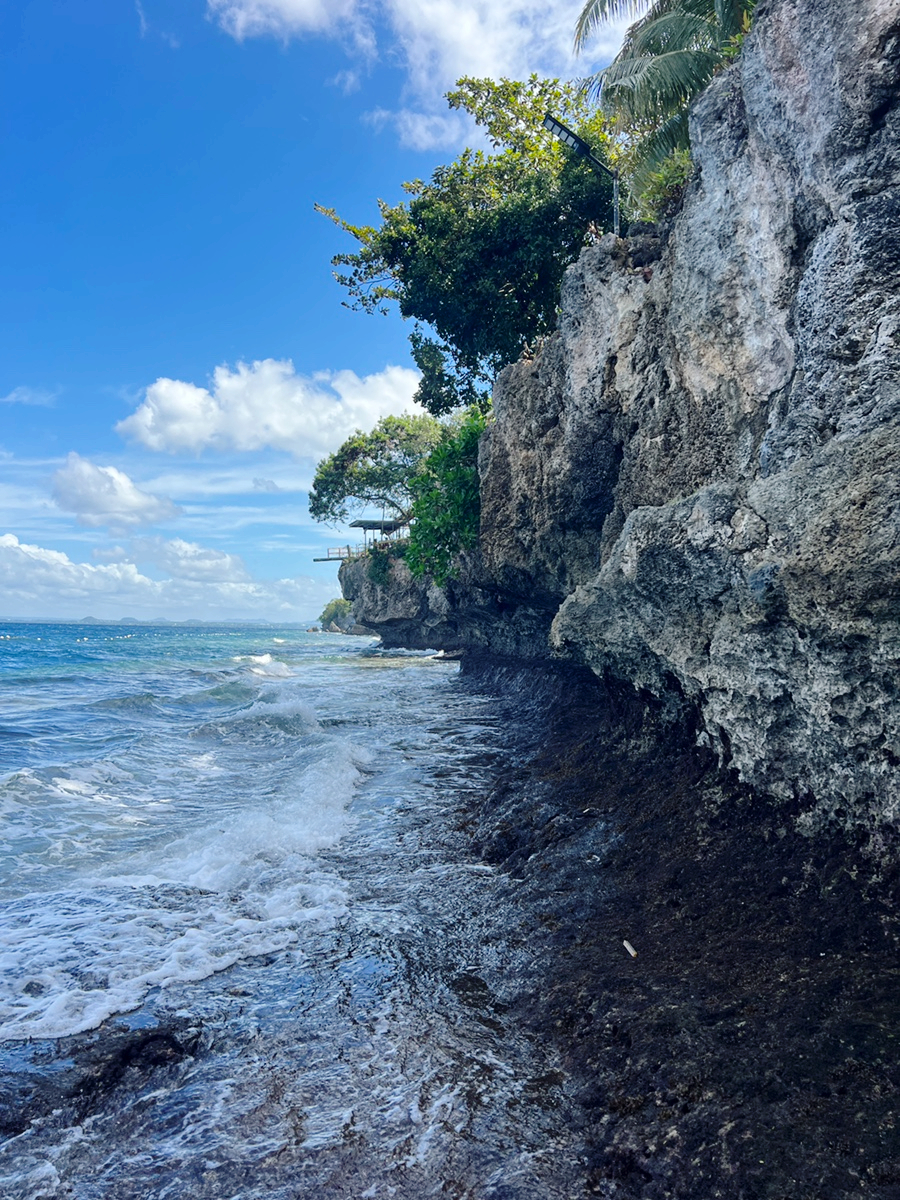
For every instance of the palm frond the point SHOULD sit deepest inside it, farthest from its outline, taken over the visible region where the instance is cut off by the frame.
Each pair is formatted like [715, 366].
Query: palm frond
[669, 55]
[729, 16]
[676, 30]
[596, 12]
[653, 149]
[654, 86]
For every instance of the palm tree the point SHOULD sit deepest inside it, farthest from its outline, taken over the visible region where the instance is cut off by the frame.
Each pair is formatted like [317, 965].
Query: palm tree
[669, 55]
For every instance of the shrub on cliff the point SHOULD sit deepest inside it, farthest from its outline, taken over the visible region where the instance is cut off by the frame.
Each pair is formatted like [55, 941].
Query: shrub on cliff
[336, 611]
[477, 254]
[447, 505]
[663, 188]
[425, 472]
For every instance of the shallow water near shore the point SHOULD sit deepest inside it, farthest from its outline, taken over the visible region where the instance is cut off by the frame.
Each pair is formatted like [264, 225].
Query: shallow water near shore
[235, 886]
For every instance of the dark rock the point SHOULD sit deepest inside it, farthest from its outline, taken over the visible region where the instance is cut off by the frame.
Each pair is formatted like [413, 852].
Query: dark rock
[87, 1068]
[749, 1048]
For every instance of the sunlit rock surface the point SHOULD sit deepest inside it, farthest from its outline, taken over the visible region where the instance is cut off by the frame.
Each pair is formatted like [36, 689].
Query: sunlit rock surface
[693, 485]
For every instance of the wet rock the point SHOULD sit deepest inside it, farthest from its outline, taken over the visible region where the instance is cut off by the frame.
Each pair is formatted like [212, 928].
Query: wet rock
[81, 1072]
[749, 1049]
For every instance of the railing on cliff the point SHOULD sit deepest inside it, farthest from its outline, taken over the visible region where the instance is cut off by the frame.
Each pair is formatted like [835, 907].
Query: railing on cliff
[343, 553]
[391, 531]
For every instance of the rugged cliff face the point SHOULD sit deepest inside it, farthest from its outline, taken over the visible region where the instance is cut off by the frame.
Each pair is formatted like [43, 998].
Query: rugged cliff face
[695, 484]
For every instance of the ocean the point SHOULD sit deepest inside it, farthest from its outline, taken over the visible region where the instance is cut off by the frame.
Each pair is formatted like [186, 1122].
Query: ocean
[234, 873]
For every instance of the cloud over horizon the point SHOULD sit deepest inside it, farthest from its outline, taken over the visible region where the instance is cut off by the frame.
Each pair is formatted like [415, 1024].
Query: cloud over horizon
[266, 404]
[188, 560]
[101, 496]
[37, 582]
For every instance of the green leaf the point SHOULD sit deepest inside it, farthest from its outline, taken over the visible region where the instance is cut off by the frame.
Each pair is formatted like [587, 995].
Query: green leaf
[374, 470]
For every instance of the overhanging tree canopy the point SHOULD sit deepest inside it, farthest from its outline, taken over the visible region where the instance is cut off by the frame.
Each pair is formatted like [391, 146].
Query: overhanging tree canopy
[374, 470]
[476, 255]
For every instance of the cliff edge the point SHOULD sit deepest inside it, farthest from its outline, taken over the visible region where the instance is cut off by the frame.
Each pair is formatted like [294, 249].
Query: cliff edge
[693, 486]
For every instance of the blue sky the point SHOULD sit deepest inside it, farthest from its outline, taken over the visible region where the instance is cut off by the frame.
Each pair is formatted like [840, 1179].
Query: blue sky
[174, 354]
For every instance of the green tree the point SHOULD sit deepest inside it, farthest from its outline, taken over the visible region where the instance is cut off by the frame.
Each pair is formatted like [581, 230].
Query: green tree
[432, 483]
[668, 57]
[374, 470]
[336, 611]
[476, 255]
[447, 508]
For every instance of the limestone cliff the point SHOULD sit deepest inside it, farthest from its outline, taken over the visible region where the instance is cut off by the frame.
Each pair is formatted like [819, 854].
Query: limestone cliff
[694, 486]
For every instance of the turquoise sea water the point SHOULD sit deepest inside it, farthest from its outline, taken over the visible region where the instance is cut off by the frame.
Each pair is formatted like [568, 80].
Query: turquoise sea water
[257, 835]
[164, 794]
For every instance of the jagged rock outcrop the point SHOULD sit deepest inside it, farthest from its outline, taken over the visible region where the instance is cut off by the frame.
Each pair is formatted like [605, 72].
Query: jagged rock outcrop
[697, 479]
[471, 613]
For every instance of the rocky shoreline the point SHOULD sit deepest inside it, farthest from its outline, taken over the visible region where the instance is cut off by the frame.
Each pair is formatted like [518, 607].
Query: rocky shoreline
[694, 485]
[688, 572]
[750, 1049]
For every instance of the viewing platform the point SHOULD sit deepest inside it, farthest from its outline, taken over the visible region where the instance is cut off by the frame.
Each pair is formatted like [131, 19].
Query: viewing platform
[342, 553]
[389, 529]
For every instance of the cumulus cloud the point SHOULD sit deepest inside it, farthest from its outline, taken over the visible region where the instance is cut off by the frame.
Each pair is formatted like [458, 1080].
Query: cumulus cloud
[266, 404]
[285, 18]
[106, 496]
[36, 582]
[203, 480]
[437, 40]
[423, 131]
[187, 560]
[109, 554]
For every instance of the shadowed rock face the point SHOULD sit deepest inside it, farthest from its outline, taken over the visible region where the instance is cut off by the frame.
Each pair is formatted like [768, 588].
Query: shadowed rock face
[694, 486]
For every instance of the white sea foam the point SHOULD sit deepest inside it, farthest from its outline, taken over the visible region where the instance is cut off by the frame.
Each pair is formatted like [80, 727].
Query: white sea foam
[190, 848]
[265, 665]
[274, 670]
[244, 884]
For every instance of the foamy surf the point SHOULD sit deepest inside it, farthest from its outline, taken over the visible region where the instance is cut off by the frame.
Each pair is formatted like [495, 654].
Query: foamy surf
[190, 848]
[270, 871]
[221, 894]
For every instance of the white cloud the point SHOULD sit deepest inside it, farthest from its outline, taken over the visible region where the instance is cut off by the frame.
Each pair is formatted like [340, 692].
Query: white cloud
[106, 496]
[110, 554]
[437, 40]
[202, 479]
[27, 395]
[36, 582]
[144, 26]
[284, 18]
[266, 404]
[423, 131]
[348, 81]
[187, 560]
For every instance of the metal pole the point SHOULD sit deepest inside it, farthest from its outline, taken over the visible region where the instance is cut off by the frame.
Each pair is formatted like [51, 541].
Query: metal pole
[581, 147]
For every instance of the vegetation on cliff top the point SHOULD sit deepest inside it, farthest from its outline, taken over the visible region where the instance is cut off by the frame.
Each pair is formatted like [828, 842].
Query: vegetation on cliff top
[374, 470]
[447, 507]
[335, 611]
[418, 469]
[668, 57]
[477, 254]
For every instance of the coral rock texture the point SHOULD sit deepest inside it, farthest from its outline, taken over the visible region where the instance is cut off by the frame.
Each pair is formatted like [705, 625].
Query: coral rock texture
[697, 479]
